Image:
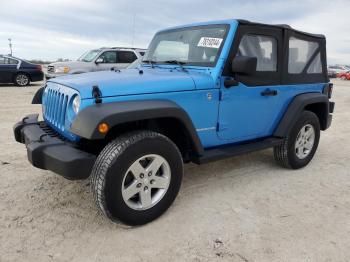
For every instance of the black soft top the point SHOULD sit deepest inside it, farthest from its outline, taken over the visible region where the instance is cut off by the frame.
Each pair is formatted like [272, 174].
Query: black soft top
[282, 76]
[283, 26]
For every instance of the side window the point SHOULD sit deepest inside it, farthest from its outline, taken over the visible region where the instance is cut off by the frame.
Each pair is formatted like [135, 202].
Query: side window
[12, 61]
[142, 53]
[109, 57]
[300, 53]
[8, 61]
[126, 57]
[264, 48]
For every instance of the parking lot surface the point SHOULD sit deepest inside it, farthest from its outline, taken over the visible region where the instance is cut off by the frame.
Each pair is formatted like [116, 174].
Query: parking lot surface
[240, 209]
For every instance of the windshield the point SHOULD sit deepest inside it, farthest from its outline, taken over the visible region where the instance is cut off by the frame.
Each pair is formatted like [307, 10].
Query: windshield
[89, 56]
[199, 46]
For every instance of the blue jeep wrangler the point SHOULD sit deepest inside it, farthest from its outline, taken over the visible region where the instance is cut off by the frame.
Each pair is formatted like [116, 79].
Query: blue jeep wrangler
[203, 92]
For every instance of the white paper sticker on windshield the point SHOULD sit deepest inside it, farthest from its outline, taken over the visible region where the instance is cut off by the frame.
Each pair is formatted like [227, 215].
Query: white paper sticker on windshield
[211, 42]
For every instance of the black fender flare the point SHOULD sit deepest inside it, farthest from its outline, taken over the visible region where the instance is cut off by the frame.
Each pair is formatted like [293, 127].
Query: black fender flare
[37, 98]
[296, 106]
[86, 122]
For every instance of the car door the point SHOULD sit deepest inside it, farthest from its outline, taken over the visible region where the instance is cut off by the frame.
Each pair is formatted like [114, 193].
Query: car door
[125, 58]
[249, 110]
[108, 61]
[8, 68]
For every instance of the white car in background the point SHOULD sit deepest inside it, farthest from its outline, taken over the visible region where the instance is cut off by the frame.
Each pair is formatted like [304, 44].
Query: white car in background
[101, 59]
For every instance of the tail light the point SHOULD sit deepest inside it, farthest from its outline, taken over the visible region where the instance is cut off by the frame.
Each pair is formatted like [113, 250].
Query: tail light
[328, 90]
[39, 67]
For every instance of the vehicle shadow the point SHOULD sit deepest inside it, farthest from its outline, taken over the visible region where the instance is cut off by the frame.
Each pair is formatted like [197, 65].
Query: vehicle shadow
[71, 202]
[9, 85]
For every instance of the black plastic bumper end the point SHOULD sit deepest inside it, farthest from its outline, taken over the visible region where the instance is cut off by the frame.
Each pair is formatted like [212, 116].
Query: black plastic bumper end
[49, 152]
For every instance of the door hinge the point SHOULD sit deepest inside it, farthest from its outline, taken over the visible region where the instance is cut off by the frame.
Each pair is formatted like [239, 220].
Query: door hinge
[221, 126]
[223, 95]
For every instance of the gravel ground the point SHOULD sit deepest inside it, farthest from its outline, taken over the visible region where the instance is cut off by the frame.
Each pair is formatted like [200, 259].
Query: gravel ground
[239, 209]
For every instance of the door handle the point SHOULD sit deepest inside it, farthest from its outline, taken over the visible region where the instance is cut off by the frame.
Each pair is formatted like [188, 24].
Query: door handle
[269, 92]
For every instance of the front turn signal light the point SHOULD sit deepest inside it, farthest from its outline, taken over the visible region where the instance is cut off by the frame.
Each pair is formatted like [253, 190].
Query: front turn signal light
[103, 128]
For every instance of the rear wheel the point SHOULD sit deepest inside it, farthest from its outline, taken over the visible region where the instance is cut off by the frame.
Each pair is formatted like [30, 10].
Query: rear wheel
[343, 78]
[137, 177]
[21, 79]
[299, 147]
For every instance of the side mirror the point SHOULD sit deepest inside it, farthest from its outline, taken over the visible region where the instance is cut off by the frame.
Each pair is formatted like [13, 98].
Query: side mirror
[99, 60]
[244, 65]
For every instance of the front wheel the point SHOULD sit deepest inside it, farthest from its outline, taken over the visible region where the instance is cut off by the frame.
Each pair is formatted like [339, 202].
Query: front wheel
[299, 147]
[137, 177]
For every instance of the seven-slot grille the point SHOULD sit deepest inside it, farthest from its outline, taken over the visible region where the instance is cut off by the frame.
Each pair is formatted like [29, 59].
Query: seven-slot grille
[56, 107]
[51, 69]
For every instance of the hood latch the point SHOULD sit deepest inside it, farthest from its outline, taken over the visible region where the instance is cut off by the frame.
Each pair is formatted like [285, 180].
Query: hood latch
[96, 93]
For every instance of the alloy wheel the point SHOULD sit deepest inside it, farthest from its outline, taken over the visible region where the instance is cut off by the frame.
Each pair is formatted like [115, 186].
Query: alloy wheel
[146, 182]
[22, 80]
[305, 141]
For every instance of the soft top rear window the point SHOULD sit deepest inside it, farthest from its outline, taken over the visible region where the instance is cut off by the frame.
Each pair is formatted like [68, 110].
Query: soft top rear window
[303, 54]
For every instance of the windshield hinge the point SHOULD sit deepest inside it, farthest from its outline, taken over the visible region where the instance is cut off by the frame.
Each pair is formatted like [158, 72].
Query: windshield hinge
[96, 93]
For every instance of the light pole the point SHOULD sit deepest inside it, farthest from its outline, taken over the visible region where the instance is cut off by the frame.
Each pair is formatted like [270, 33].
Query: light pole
[133, 30]
[10, 45]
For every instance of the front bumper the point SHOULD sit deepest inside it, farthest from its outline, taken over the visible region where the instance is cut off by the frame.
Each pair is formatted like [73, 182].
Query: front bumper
[47, 150]
[53, 75]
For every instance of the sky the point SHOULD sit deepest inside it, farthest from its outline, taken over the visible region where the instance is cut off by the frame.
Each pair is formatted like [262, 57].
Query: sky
[53, 29]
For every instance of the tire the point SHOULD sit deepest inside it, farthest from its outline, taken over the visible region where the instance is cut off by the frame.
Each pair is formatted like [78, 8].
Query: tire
[120, 166]
[343, 78]
[21, 79]
[287, 154]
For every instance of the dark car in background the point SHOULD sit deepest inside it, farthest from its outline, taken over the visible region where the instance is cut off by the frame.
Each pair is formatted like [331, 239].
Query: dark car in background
[18, 71]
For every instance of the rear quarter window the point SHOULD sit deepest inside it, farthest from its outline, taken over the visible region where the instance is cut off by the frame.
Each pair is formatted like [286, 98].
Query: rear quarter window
[304, 55]
[126, 57]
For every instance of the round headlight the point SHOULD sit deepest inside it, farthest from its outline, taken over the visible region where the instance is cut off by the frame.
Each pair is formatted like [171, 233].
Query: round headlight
[76, 104]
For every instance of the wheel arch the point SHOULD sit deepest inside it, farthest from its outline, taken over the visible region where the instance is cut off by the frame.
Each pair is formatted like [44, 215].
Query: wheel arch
[315, 102]
[320, 109]
[37, 98]
[162, 116]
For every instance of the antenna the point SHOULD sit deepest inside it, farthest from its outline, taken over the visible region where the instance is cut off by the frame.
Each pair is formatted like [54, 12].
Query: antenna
[10, 45]
[133, 30]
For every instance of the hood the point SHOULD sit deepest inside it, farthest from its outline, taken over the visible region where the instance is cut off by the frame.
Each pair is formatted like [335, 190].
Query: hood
[131, 82]
[71, 64]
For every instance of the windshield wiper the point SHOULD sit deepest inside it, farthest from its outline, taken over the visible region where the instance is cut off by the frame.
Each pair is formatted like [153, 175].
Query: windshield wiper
[176, 62]
[150, 62]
